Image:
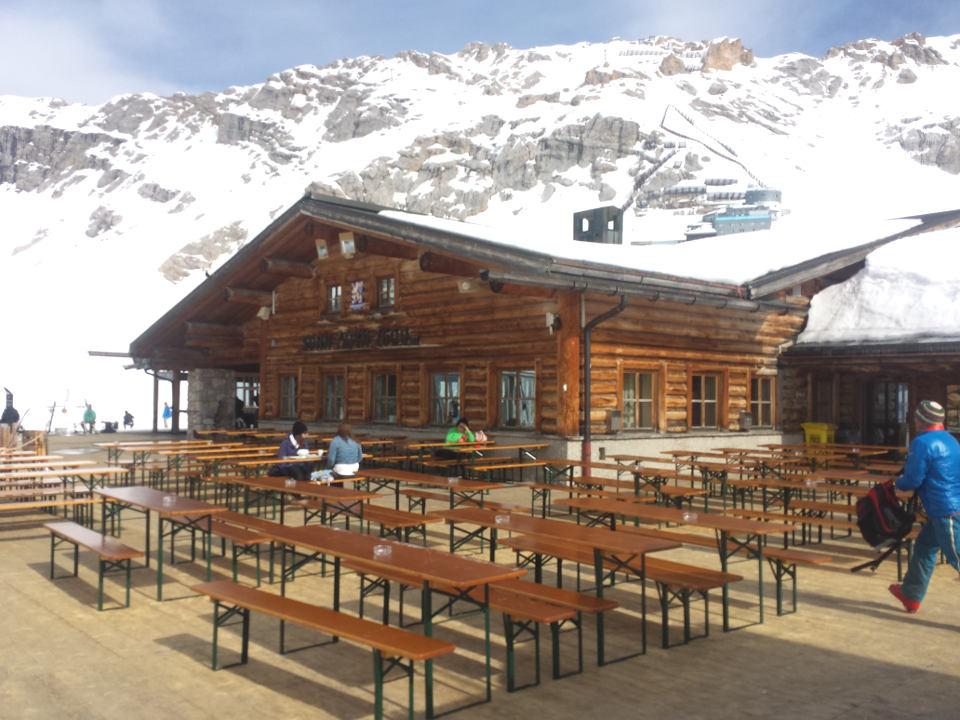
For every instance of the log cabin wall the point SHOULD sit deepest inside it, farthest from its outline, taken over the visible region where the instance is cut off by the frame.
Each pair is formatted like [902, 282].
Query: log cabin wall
[676, 341]
[461, 326]
[852, 376]
[441, 323]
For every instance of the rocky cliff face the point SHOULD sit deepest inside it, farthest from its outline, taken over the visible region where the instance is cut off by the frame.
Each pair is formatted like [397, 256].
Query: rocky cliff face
[488, 129]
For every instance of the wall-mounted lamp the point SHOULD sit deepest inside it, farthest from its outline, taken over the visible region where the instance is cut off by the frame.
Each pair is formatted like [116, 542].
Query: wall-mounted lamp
[464, 286]
[321, 249]
[264, 312]
[348, 245]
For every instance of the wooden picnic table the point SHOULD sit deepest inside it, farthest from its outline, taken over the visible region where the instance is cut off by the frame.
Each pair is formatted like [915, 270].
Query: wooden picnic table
[86, 474]
[27, 457]
[610, 549]
[210, 455]
[623, 459]
[734, 535]
[349, 501]
[429, 567]
[45, 465]
[462, 490]
[176, 512]
[141, 451]
[256, 465]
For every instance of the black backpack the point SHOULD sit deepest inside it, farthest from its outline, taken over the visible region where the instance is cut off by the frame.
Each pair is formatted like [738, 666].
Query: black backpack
[883, 520]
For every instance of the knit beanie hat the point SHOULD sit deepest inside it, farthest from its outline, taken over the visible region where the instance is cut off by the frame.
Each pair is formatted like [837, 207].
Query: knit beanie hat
[930, 412]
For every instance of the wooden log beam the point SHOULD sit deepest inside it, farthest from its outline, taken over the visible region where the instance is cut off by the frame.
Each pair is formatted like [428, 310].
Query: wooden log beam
[503, 288]
[219, 329]
[246, 295]
[377, 246]
[431, 262]
[290, 268]
[568, 364]
[213, 343]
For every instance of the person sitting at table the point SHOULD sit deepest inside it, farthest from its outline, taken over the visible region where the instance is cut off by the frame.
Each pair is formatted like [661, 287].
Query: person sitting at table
[345, 453]
[293, 445]
[460, 433]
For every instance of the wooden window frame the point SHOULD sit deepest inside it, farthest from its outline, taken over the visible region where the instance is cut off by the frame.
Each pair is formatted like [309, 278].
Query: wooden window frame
[655, 398]
[719, 400]
[431, 375]
[248, 390]
[500, 398]
[327, 309]
[392, 279]
[374, 399]
[756, 404]
[286, 397]
[324, 376]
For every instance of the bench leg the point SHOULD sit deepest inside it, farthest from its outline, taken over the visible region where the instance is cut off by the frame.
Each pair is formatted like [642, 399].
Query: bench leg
[555, 638]
[100, 585]
[221, 615]
[781, 570]
[513, 629]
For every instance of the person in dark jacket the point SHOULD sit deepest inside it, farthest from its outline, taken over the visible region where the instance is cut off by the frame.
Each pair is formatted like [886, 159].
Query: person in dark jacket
[292, 446]
[933, 470]
[10, 416]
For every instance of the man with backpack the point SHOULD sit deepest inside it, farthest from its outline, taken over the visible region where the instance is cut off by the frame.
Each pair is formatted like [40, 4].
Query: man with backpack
[933, 470]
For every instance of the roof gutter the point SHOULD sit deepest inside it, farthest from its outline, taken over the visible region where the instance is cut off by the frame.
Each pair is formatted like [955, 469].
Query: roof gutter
[639, 289]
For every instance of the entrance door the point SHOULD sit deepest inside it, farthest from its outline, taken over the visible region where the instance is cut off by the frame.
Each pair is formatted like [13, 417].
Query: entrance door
[887, 405]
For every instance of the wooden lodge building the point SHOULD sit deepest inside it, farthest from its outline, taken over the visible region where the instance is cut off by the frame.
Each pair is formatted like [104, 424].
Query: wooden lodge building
[868, 390]
[399, 323]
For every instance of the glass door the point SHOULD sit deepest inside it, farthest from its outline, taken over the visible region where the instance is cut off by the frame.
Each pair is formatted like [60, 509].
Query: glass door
[887, 405]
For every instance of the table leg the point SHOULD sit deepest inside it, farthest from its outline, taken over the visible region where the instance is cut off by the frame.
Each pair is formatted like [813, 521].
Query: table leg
[427, 617]
[159, 553]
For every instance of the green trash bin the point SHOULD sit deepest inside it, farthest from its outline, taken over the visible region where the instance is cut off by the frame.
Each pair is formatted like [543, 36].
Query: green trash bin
[818, 432]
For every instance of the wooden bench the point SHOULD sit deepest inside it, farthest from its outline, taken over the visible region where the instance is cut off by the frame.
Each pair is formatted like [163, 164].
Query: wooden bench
[392, 647]
[572, 599]
[490, 466]
[522, 614]
[399, 524]
[112, 554]
[250, 522]
[388, 460]
[804, 520]
[78, 505]
[541, 491]
[674, 581]
[783, 561]
[242, 540]
[417, 500]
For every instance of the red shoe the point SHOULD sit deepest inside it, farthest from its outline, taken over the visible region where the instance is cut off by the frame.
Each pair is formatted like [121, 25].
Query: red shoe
[911, 606]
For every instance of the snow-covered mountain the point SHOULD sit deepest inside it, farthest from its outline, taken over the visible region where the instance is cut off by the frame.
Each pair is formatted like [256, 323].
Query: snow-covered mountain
[111, 213]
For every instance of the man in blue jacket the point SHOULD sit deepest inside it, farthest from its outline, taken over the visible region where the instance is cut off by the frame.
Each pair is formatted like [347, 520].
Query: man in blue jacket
[933, 470]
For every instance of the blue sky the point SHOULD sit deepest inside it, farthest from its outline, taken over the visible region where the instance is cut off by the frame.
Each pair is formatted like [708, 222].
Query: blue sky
[90, 50]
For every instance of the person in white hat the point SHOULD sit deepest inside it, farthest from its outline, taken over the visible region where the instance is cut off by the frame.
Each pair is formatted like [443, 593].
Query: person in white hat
[933, 470]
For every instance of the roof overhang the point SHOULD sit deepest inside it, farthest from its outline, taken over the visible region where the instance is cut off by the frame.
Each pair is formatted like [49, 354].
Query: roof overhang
[794, 275]
[201, 329]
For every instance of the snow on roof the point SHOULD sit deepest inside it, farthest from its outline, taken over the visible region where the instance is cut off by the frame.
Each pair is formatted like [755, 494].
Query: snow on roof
[734, 259]
[908, 291]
